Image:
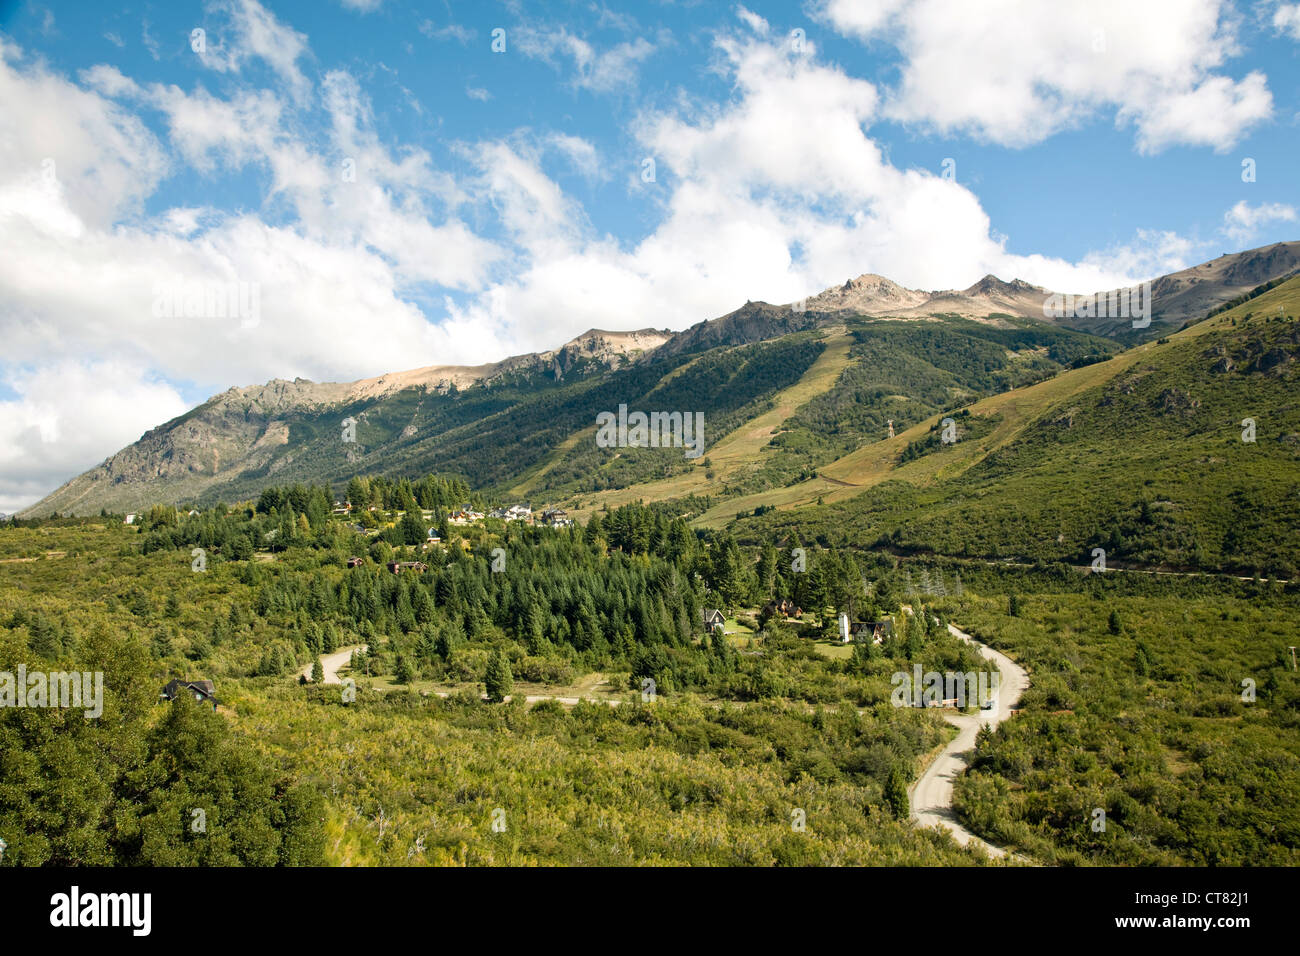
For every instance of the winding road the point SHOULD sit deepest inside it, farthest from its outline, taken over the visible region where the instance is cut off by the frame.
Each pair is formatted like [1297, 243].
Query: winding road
[931, 796]
[334, 662]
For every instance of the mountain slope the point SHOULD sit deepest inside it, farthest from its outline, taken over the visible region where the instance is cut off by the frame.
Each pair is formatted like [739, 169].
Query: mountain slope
[1143, 455]
[516, 425]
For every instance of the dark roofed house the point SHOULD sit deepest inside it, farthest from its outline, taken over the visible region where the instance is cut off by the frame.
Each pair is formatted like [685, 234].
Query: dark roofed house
[873, 631]
[397, 567]
[354, 562]
[712, 618]
[786, 608]
[204, 691]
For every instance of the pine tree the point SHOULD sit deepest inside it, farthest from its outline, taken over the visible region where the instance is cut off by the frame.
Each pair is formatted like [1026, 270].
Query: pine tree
[896, 795]
[318, 672]
[403, 673]
[498, 679]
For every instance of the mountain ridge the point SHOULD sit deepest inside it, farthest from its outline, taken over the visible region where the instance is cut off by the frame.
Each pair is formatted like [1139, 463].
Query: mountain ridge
[259, 431]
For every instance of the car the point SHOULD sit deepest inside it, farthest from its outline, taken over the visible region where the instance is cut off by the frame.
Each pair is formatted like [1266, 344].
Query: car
[988, 704]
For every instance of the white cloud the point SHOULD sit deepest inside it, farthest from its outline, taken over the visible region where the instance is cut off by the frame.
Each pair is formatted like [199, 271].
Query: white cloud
[64, 418]
[1152, 253]
[601, 72]
[774, 195]
[254, 32]
[454, 31]
[478, 93]
[1015, 72]
[1286, 19]
[753, 20]
[1243, 221]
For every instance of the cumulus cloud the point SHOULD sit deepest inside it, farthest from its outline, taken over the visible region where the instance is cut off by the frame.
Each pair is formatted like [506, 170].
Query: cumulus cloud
[64, 418]
[1286, 19]
[1015, 73]
[1243, 221]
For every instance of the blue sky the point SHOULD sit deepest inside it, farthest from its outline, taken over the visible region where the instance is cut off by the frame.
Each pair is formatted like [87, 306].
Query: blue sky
[497, 201]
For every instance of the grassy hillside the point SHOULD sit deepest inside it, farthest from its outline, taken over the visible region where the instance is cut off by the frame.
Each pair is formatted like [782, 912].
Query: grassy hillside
[1142, 455]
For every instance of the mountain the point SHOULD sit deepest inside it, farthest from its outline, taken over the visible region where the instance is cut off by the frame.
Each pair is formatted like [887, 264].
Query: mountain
[1180, 453]
[785, 390]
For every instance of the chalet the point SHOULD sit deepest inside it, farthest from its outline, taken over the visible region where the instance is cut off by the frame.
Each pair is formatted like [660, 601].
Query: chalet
[556, 518]
[873, 631]
[354, 562]
[203, 690]
[130, 519]
[785, 608]
[397, 567]
[712, 618]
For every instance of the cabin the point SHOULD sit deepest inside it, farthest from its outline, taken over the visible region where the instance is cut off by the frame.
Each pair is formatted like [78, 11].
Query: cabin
[397, 567]
[712, 618]
[355, 562]
[873, 631]
[863, 631]
[785, 608]
[556, 518]
[203, 690]
[130, 518]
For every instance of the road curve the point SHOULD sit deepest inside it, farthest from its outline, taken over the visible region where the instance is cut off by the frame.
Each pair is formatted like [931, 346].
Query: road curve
[333, 663]
[931, 796]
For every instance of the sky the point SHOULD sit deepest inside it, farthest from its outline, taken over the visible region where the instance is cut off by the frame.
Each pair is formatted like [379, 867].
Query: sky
[200, 195]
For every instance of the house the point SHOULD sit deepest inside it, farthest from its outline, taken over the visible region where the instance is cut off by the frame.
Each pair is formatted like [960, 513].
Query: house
[519, 513]
[130, 519]
[203, 690]
[556, 518]
[785, 608]
[397, 567]
[713, 618]
[873, 631]
[354, 562]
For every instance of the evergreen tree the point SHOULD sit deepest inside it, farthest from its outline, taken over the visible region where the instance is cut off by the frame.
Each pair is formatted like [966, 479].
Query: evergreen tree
[896, 795]
[498, 679]
[318, 672]
[403, 672]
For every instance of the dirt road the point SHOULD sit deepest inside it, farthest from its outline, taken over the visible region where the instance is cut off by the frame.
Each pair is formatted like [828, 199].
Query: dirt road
[333, 663]
[931, 796]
